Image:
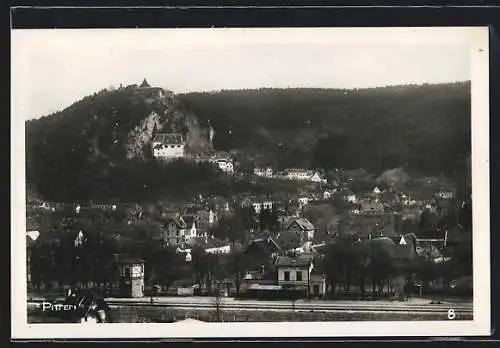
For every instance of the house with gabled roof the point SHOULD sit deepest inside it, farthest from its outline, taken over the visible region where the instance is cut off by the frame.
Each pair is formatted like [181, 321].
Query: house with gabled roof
[303, 226]
[175, 230]
[191, 226]
[144, 84]
[168, 146]
[299, 274]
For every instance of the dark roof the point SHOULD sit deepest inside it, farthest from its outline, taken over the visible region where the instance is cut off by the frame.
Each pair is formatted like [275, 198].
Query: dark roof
[189, 219]
[298, 261]
[268, 245]
[321, 248]
[128, 259]
[178, 221]
[145, 84]
[289, 240]
[426, 234]
[169, 139]
[303, 223]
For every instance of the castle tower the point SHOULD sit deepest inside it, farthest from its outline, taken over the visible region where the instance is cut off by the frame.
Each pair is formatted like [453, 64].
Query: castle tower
[145, 84]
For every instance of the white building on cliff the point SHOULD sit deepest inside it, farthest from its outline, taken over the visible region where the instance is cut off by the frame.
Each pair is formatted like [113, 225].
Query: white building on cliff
[168, 146]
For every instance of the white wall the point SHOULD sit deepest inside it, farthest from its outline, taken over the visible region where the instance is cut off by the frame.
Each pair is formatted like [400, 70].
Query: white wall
[293, 275]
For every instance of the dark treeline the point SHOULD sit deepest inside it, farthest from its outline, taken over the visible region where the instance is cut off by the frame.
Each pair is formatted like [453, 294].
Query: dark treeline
[422, 128]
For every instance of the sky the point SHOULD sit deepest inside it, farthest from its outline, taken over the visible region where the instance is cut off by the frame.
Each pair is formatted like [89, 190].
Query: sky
[54, 68]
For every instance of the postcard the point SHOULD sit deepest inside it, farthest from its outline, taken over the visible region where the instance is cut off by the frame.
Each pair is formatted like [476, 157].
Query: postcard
[235, 183]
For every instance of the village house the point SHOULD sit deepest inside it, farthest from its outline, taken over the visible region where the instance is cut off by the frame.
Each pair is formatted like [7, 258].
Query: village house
[427, 243]
[446, 193]
[296, 273]
[298, 174]
[407, 200]
[310, 248]
[186, 251]
[328, 194]
[318, 178]
[191, 227]
[303, 226]
[263, 248]
[175, 231]
[303, 201]
[264, 172]
[219, 250]
[262, 204]
[223, 163]
[205, 219]
[168, 146]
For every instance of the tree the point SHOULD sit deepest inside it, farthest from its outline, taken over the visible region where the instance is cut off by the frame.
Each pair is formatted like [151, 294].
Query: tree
[229, 228]
[238, 265]
[361, 264]
[338, 263]
[199, 265]
[381, 266]
[164, 265]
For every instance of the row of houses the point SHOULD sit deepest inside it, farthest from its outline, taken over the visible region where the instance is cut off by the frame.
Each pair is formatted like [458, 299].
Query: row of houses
[291, 174]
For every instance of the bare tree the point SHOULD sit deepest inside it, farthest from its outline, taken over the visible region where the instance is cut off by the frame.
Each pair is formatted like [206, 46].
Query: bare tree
[218, 302]
[238, 265]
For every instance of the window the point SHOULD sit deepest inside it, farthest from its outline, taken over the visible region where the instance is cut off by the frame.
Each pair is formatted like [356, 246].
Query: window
[299, 276]
[127, 272]
[287, 276]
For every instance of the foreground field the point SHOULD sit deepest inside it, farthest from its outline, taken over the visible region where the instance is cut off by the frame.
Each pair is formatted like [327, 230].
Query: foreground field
[231, 310]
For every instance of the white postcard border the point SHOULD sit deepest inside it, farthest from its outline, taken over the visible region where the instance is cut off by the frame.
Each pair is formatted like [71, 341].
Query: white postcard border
[480, 325]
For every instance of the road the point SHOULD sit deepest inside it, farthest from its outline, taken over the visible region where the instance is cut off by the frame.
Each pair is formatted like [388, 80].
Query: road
[228, 303]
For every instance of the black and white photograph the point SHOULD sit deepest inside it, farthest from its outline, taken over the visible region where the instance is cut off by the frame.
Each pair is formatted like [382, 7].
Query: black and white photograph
[250, 182]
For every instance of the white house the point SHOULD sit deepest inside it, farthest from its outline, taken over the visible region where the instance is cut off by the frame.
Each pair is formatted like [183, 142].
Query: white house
[303, 201]
[376, 191]
[316, 177]
[224, 164]
[297, 273]
[188, 257]
[191, 230]
[351, 198]
[446, 194]
[298, 174]
[264, 172]
[226, 249]
[168, 146]
[328, 193]
[261, 205]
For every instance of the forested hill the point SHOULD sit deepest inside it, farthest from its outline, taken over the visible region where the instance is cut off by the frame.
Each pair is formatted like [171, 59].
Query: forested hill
[424, 128]
[100, 147]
